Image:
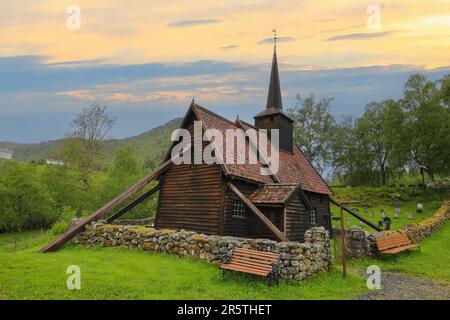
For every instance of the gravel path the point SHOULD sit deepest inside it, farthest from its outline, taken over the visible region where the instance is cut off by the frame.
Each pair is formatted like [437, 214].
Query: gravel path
[396, 286]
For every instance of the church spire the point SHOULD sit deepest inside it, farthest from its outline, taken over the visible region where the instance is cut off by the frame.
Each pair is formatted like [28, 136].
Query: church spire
[274, 96]
[273, 116]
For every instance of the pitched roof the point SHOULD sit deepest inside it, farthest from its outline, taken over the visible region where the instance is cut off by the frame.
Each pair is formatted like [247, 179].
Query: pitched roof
[273, 193]
[294, 168]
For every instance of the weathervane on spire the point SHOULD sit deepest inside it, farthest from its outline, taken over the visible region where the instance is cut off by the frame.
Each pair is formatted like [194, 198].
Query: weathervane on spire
[274, 30]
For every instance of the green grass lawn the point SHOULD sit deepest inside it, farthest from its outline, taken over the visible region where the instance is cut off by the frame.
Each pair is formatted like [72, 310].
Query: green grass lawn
[433, 260]
[119, 273]
[378, 198]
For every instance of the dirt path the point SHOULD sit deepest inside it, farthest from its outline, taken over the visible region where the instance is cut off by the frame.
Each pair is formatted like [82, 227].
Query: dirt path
[396, 286]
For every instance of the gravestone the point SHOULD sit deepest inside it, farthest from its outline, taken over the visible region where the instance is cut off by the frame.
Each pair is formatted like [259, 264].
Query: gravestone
[397, 213]
[387, 223]
[372, 213]
[410, 216]
[383, 215]
[419, 208]
[397, 203]
[365, 209]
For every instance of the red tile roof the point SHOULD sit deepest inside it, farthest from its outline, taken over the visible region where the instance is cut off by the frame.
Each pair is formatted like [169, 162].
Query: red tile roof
[294, 168]
[272, 193]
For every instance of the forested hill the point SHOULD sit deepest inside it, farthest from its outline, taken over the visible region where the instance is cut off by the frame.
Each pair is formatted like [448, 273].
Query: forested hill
[149, 146]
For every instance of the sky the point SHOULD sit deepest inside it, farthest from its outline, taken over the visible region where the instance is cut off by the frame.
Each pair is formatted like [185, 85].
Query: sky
[147, 59]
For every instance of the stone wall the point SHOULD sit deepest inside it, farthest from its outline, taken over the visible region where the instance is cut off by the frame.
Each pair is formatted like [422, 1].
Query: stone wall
[298, 260]
[416, 232]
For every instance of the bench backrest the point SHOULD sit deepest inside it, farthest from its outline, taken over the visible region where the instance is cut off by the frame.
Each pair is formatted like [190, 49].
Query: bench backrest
[254, 258]
[392, 241]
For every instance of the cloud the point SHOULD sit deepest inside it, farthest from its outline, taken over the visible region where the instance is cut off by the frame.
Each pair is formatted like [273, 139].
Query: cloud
[361, 36]
[229, 47]
[279, 39]
[79, 94]
[191, 23]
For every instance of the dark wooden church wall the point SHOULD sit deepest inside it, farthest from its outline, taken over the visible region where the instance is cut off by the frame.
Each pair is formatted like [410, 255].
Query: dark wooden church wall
[322, 205]
[257, 229]
[297, 219]
[236, 226]
[189, 198]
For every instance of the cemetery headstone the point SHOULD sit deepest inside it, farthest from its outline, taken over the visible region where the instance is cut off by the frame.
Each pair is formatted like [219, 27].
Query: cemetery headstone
[387, 223]
[410, 216]
[372, 213]
[419, 208]
[383, 215]
[397, 213]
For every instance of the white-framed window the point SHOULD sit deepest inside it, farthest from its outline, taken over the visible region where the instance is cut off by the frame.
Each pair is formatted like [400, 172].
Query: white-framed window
[313, 217]
[238, 209]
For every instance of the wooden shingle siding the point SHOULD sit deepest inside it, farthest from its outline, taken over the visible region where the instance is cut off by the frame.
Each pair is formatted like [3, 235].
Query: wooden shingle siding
[297, 219]
[322, 205]
[190, 198]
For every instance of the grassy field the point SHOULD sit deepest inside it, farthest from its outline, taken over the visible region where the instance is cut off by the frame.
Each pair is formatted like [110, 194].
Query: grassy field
[383, 198]
[118, 273]
[433, 260]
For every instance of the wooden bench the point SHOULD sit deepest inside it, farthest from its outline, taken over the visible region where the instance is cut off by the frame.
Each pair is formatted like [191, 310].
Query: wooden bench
[395, 243]
[264, 264]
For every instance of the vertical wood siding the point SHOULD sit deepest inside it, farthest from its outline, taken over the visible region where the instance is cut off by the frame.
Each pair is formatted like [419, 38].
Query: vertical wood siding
[189, 198]
[237, 226]
[322, 205]
[297, 219]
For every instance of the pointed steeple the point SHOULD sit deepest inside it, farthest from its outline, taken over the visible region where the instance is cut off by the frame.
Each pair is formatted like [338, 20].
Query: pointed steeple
[273, 116]
[274, 97]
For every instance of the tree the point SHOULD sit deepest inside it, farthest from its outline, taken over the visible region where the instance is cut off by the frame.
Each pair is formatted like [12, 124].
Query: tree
[84, 147]
[351, 160]
[427, 125]
[25, 201]
[313, 128]
[378, 129]
[125, 163]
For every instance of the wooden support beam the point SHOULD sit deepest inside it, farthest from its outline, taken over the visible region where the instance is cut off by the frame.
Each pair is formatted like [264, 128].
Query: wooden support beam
[357, 216]
[58, 242]
[132, 204]
[258, 213]
[61, 240]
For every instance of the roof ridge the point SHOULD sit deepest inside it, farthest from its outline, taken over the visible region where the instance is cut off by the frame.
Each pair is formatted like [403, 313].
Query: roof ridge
[320, 176]
[214, 114]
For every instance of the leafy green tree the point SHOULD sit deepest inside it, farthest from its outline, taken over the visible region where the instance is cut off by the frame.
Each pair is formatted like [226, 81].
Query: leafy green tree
[125, 163]
[313, 128]
[352, 160]
[378, 129]
[427, 125]
[26, 203]
[85, 146]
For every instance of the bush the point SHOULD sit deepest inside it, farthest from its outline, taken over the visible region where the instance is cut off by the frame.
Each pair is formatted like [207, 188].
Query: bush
[59, 227]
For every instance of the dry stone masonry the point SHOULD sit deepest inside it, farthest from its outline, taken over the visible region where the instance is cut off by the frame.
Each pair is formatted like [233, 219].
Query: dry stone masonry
[361, 244]
[298, 260]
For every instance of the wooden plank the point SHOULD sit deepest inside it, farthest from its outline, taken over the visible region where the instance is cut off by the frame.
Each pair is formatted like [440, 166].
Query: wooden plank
[243, 269]
[258, 213]
[357, 216]
[132, 204]
[61, 240]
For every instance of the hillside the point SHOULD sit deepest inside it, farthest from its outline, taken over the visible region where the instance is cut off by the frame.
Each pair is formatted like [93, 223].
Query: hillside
[149, 146]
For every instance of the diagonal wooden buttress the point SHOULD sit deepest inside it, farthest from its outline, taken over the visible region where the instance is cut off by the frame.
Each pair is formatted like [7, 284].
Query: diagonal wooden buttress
[280, 236]
[114, 203]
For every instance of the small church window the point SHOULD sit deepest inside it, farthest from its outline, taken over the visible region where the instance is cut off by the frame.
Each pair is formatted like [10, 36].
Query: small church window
[313, 217]
[238, 209]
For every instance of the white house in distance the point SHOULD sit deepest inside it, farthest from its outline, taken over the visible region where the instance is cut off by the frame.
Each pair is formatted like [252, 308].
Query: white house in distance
[53, 162]
[6, 154]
